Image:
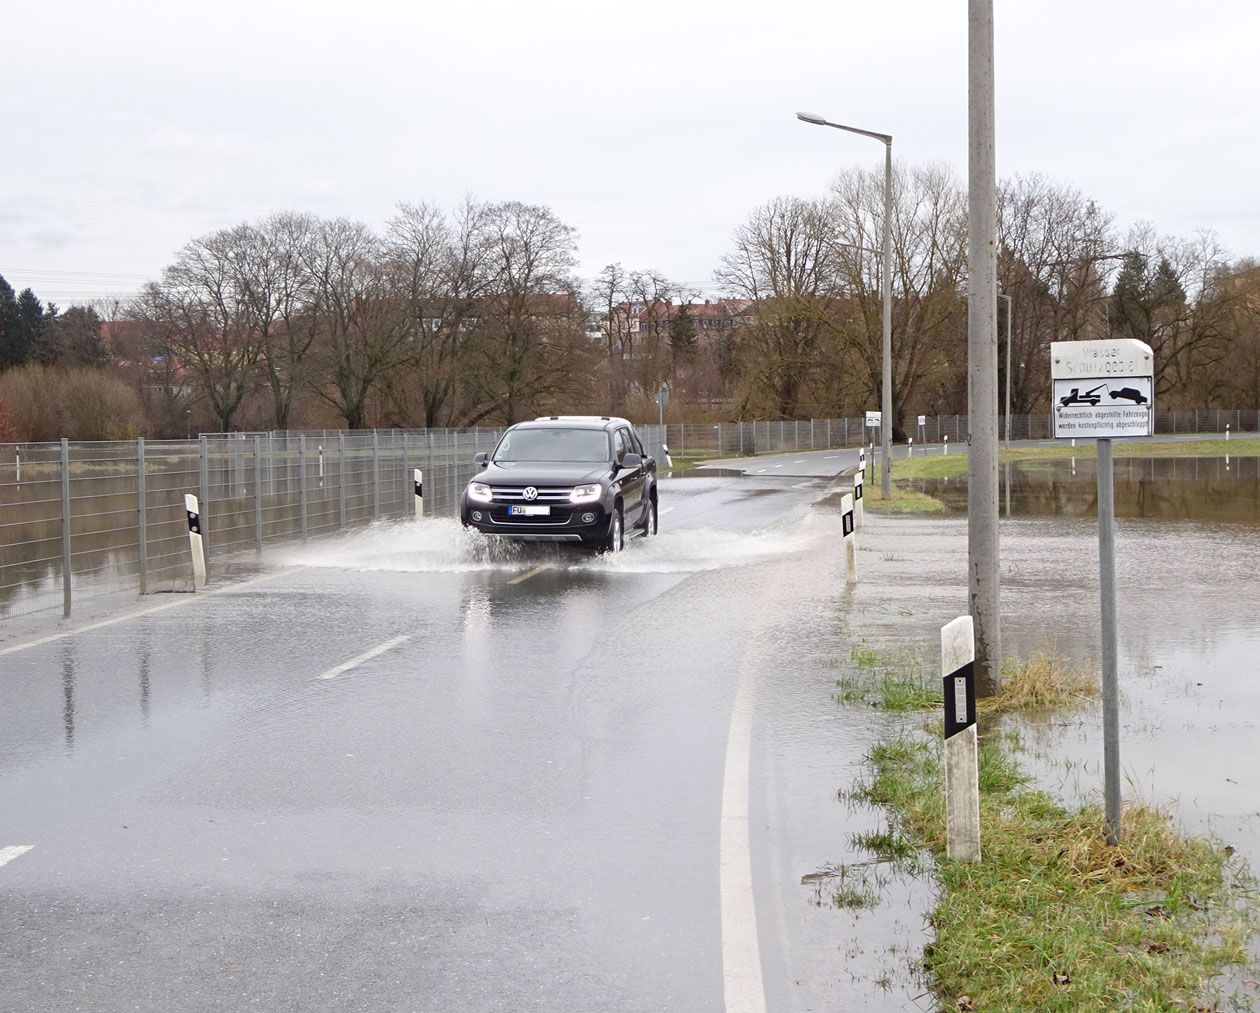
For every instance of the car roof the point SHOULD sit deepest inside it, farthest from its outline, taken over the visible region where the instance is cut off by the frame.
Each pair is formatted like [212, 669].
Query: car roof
[574, 422]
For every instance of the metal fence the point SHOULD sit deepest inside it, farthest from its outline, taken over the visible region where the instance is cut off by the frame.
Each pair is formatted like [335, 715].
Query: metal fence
[84, 519]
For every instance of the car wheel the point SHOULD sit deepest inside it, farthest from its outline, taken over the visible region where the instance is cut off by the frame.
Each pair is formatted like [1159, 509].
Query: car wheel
[616, 540]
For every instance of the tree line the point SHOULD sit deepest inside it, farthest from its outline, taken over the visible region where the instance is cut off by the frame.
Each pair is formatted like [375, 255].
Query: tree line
[474, 315]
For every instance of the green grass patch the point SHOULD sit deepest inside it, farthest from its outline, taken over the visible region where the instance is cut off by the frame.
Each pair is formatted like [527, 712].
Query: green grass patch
[937, 465]
[889, 680]
[1053, 918]
[901, 501]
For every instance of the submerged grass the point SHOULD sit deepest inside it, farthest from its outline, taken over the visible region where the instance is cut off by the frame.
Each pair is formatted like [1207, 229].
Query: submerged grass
[901, 500]
[1054, 918]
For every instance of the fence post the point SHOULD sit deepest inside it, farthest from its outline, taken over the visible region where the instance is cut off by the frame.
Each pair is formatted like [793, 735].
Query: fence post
[406, 456]
[962, 786]
[341, 478]
[258, 492]
[142, 539]
[302, 484]
[65, 528]
[203, 492]
[376, 478]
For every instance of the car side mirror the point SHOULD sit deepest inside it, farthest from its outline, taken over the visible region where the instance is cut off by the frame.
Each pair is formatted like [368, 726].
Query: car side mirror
[631, 461]
[482, 459]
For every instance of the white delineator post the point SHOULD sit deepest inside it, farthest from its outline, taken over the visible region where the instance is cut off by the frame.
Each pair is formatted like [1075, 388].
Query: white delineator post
[962, 765]
[669, 461]
[418, 477]
[910, 452]
[850, 538]
[862, 462]
[946, 450]
[859, 510]
[195, 542]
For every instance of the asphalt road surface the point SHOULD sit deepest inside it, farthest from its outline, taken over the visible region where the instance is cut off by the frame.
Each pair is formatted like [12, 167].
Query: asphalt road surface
[399, 770]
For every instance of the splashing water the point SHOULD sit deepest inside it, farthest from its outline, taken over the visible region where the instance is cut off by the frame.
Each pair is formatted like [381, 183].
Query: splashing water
[442, 545]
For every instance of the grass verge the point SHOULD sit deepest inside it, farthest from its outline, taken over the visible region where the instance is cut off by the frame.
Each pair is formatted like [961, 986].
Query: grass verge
[1053, 918]
[901, 500]
[937, 465]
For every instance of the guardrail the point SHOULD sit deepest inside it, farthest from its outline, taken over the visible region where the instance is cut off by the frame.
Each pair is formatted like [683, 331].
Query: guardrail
[83, 519]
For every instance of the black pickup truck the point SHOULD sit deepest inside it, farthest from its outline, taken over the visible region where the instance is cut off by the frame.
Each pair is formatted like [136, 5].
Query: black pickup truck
[565, 478]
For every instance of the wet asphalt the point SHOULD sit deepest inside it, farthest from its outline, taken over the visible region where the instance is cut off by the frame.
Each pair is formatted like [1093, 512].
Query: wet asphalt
[399, 770]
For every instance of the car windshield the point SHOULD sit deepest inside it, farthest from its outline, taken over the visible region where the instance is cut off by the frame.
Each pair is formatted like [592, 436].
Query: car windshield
[553, 444]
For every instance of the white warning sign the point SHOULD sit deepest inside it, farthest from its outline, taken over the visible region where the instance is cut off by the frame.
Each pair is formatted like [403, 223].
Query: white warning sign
[1102, 389]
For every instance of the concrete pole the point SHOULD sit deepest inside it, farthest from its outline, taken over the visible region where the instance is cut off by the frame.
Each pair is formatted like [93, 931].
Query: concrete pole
[886, 297]
[982, 451]
[1009, 310]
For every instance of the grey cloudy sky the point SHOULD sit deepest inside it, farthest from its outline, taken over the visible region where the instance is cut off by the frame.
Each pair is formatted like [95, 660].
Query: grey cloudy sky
[651, 127]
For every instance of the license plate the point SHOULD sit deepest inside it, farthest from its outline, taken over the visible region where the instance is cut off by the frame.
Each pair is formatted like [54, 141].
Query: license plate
[529, 511]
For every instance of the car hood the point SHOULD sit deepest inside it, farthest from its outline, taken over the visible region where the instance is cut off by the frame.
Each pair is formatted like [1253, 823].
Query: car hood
[523, 473]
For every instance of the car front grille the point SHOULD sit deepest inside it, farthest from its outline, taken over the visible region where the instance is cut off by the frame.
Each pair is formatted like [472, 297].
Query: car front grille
[510, 494]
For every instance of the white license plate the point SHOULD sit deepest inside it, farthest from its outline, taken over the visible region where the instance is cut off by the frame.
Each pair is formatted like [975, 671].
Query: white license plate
[529, 511]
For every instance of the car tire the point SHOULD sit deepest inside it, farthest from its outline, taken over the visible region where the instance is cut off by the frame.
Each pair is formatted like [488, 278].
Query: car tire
[616, 538]
[651, 523]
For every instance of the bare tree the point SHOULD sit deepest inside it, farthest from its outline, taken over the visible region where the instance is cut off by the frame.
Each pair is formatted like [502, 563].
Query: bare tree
[362, 322]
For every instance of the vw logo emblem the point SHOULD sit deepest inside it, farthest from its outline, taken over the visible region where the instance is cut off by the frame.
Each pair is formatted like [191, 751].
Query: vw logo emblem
[530, 493]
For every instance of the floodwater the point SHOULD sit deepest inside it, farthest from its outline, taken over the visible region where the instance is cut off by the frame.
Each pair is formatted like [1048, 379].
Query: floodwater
[1188, 573]
[1176, 489]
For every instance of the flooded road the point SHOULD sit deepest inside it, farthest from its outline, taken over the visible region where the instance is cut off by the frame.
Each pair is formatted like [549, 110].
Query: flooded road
[406, 769]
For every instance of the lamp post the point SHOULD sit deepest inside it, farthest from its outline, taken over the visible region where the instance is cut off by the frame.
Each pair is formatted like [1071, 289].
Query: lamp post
[885, 424]
[1010, 308]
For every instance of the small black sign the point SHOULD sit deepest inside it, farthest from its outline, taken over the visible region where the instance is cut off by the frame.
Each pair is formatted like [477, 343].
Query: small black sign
[194, 522]
[857, 490]
[960, 700]
[420, 489]
[848, 523]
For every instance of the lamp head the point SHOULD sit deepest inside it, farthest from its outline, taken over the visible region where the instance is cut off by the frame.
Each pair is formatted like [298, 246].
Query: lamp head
[812, 118]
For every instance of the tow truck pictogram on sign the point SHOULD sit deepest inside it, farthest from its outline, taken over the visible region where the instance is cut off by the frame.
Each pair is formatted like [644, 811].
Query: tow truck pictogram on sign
[1093, 398]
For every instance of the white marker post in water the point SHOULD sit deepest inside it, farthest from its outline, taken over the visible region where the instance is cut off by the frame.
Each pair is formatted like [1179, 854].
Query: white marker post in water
[850, 538]
[962, 747]
[194, 541]
[418, 480]
[858, 509]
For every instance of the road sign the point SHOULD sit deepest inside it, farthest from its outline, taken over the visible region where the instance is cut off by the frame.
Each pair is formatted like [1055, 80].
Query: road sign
[1102, 389]
[662, 396]
[873, 420]
[922, 421]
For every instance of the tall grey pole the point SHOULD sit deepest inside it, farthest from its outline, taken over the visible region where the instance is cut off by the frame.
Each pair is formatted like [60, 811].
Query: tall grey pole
[258, 527]
[203, 490]
[982, 396]
[886, 296]
[1107, 597]
[1009, 311]
[302, 486]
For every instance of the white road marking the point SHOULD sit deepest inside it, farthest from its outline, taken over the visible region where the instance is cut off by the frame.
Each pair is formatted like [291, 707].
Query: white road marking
[379, 649]
[13, 851]
[525, 576]
[761, 471]
[830, 457]
[741, 953]
[667, 510]
[778, 466]
[190, 599]
[799, 460]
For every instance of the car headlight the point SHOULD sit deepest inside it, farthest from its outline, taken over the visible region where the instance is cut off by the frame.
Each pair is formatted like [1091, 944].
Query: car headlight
[479, 492]
[585, 494]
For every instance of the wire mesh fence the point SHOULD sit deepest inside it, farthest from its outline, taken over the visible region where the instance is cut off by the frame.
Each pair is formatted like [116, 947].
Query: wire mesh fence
[83, 519]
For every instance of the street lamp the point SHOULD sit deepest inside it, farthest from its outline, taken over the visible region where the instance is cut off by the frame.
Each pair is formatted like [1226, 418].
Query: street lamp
[885, 288]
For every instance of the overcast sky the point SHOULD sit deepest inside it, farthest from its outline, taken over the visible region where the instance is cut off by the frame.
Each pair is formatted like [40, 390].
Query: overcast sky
[651, 127]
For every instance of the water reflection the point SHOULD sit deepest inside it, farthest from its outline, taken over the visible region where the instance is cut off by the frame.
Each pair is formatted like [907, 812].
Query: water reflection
[69, 665]
[143, 665]
[1212, 489]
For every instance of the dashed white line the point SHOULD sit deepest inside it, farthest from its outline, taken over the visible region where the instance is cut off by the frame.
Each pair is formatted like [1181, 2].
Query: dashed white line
[830, 457]
[761, 471]
[13, 851]
[379, 649]
[778, 466]
[521, 578]
[799, 460]
[667, 510]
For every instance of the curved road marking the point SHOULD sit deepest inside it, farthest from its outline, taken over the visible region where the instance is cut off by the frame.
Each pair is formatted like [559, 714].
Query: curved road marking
[379, 649]
[741, 952]
[13, 851]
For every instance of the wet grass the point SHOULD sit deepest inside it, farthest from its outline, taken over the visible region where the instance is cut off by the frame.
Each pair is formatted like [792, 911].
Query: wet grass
[900, 680]
[935, 465]
[1053, 918]
[901, 500]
